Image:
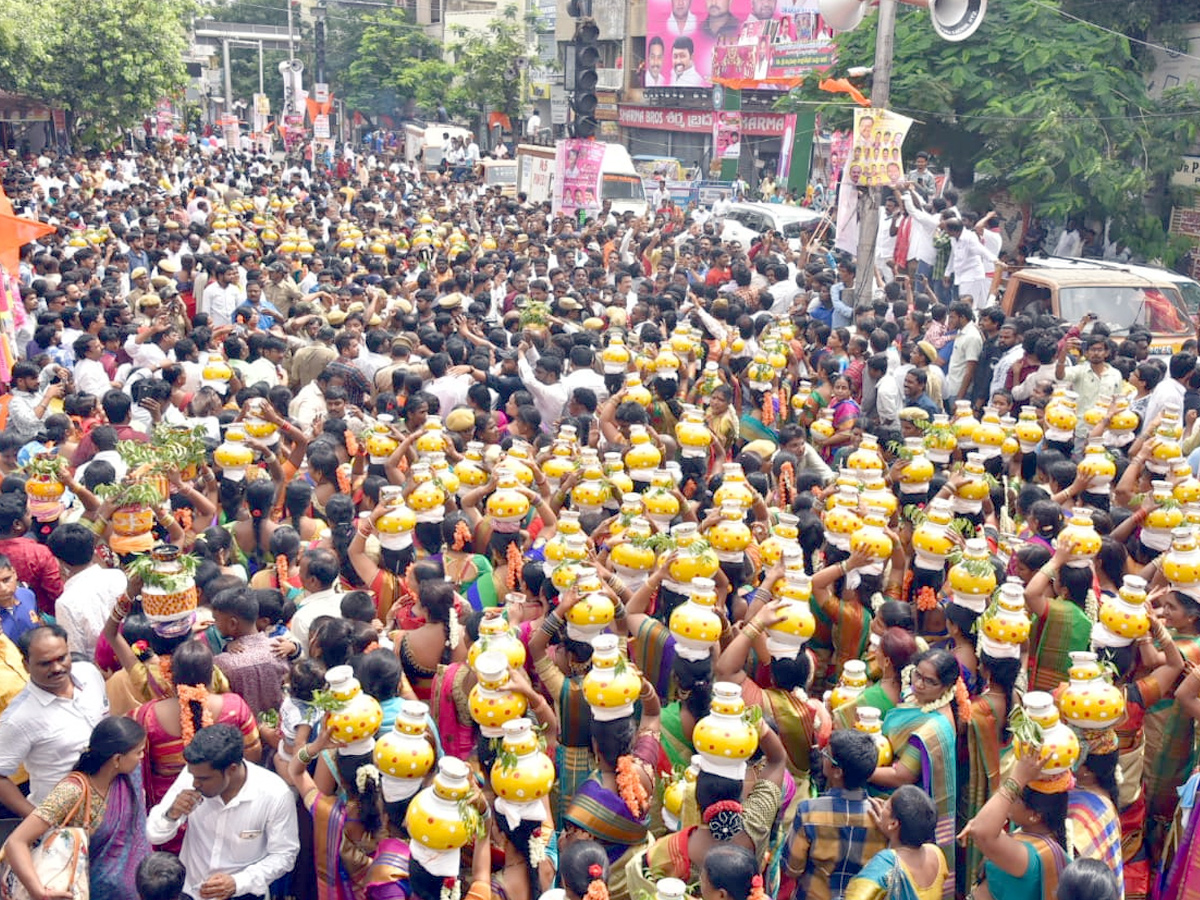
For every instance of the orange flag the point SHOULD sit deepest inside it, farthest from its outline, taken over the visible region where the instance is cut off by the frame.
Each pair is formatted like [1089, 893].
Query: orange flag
[15, 231]
[842, 86]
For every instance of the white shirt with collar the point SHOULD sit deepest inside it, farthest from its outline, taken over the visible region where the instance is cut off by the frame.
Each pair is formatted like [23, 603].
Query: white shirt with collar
[253, 837]
[586, 378]
[311, 608]
[84, 605]
[47, 733]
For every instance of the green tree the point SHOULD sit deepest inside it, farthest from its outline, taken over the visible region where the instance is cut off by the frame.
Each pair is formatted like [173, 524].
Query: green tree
[1053, 112]
[488, 66]
[106, 62]
[395, 62]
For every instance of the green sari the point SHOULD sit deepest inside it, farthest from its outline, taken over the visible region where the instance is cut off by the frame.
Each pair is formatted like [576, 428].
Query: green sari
[979, 775]
[1064, 628]
[928, 740]
[1170, 751]
[675, 743]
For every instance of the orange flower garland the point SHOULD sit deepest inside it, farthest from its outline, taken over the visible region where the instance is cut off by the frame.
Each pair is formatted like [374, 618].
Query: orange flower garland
[343, 481]
[630, 787]
[597, 889]
[462, 534]
[282, 569]
[513, 555]
[352, 446]
[787, 484]
[926, 599]
[768, 409]
[962, 699]
[756, 889]
[183, 516]
[189, 694]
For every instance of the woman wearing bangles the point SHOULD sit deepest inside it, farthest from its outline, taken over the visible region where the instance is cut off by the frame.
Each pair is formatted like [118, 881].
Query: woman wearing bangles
[1026, 864]
[923, 734]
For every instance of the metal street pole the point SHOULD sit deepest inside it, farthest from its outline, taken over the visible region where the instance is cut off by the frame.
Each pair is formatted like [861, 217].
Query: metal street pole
[291, 40]
[228, 79]
[870, 199]
[261, 89]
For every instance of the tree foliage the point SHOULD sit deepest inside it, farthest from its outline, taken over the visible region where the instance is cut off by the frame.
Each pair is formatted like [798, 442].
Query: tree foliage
[105, 61]
[1049, 110]
[488, 66]
[394, 62]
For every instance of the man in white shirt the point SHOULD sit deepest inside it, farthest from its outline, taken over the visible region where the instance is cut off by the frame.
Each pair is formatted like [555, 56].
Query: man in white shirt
[655, 54]
[682, 20]
[920, 240]
[241, 819]
[888, 401]
[583, 375]
[543, 380]
[683, 64]
[222, 296]
[90, 591]
[48, 724]
[90, 377]
[964, 359]
[319, 572]
[1168, 393]
[968, 264]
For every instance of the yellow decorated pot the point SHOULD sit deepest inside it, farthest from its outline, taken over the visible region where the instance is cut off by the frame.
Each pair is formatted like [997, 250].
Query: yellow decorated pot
[355, 723]
[611, 686]
[661, 504]
[434, 818]
[694, 559]
[940, 439]
[492, 701]
[635, 391]
[469, 469]
[866, 457]
[796, 621]
[1061, 418]
[964, 424]
[695, 624]
[841, 521]
[380, 443]
[822, 429]
[973, 578]
[682, 341]
[590, 492]
[1089, 700]
[216, 372]
[642, 457]
[1181, 564]
[522, 773]
[1079, 535]
[989, 434]
[931, 538]
[734, 487]
[395, 526]
[404, 753]
[871, 538]
[975, 489]
[633, 557]
[1098, 466]
[784, 533]
[692, 434]
[723, 738]
[616, 356]
[730, 536]
[496, 635]
[428, 498]
[1125, 614]
[917, 471]
[234, 456]
[876, 494]
[432, 437]
[1056, 736]
[591, 614]
[44, 487]
[1007, 622]
[869, 720]
[131, 521]
[507, 503]
[851, 683]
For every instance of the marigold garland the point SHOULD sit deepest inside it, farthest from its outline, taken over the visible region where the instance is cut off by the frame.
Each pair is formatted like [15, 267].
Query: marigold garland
[906, 586]
[183, 516]
[962, 699]
[597, 889]
[462, 534]
[352, 446]
[630, 787]
[787, 484]
[756, 889]
[343, 481]
[164, 670]
[926, 599]
[768, 409]
[282, 570]
[189, 694]
[513, 556]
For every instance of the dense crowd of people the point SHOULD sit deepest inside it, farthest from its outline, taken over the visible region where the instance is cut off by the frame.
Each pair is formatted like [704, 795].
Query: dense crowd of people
[381, 535]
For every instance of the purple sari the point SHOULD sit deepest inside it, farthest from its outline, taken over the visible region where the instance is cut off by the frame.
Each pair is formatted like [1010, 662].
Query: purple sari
[119, 844]
[603, 814]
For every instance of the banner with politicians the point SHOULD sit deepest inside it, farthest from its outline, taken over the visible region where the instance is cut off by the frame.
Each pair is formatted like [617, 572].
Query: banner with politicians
[875, 154]
[577, 176]
[739, 43]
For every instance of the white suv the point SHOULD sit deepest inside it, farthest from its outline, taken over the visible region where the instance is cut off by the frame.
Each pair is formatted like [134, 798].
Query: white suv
[745, 222]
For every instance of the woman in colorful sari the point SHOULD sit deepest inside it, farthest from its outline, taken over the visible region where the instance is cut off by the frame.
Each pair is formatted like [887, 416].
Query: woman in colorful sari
[912, 867]
[845, 421]
[1026, 864]
[1092, 803]
[469, 572]
[171, 722]
[613, 804]
[923, 738]
[987, 740]
[103, 795]
[349, 832]
[1060, 623]
[1162, 671]
[735, 812]
[721, 418]
[783, 699]
[1170, 730]
[753, 424]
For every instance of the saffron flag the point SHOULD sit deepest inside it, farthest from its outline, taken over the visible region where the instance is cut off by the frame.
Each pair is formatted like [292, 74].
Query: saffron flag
[842, 86]
[15, 232]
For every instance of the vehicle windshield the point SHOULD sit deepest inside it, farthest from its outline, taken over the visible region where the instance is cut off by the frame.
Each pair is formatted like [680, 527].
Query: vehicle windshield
[502, 174]
[622, 187]
[792, 229]
[1160, 309]
[1191, 295]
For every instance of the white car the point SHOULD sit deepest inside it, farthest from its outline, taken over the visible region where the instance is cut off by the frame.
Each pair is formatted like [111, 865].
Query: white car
[746, 222]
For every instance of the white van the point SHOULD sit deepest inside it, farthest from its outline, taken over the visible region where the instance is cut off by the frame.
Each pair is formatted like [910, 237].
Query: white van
[621, 183]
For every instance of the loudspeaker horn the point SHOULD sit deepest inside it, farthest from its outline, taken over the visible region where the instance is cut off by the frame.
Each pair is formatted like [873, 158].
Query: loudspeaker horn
[956, 20]
[842, 15]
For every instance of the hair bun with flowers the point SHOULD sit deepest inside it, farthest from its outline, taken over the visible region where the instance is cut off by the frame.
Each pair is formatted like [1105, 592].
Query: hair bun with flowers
[597, 889]
[756, 889]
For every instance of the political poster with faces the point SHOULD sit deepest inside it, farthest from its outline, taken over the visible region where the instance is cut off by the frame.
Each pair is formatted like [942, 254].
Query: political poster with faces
[577, 176]
[875, 154]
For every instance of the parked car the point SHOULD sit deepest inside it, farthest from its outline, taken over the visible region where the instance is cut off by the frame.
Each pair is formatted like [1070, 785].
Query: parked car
[1189, 288]
[746, 222]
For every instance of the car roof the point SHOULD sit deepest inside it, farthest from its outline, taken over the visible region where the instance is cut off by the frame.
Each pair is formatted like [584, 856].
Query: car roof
[1070, 262]
[779, 210]
[1087, 276]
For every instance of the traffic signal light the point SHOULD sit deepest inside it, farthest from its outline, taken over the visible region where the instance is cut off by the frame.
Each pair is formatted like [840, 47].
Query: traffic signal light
[587, 58]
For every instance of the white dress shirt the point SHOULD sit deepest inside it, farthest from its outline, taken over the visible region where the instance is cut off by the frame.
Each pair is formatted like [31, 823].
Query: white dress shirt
[586, 378]
[47, 732]
[90, 378]
[548, 398]
[311, 608]
[85, 603]
[253, 837]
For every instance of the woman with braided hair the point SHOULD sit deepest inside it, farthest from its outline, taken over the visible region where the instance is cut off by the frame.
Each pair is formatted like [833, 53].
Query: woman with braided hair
[733, 813]
[284, 573]
[923, 734]
[439, 641]
[254, 527]
[470, 572]
[173, 721]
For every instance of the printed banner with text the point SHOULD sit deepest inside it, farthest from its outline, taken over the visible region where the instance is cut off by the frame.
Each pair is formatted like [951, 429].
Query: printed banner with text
[577, 167]
[875, 157]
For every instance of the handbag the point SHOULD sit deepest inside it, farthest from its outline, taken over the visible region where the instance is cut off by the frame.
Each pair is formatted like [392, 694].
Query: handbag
[60, 857]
